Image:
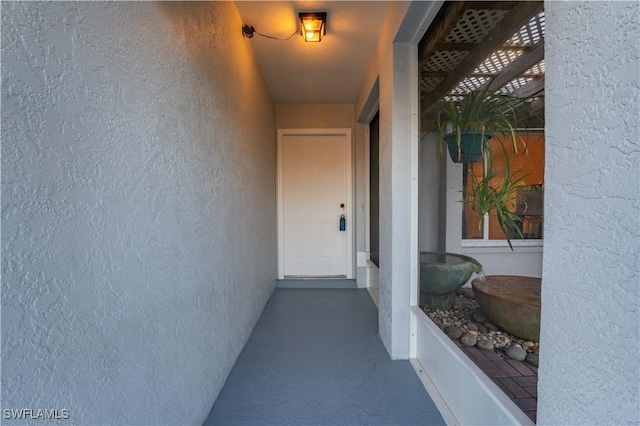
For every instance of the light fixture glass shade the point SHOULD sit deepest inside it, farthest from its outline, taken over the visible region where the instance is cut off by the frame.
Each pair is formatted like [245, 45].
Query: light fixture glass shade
[312, 25]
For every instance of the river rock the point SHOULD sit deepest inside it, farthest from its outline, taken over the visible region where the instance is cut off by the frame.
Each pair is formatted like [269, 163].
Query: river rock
[466, 292]
[491, 326]
[502, 341]
[481, 328]
[461, 319]
[532, 359]
[516, 352]
[478, 316]
[453, 332]
[485, 344]
[468, 339]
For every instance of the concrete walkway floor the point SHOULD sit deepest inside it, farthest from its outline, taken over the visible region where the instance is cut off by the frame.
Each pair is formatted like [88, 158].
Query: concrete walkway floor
[315, 358]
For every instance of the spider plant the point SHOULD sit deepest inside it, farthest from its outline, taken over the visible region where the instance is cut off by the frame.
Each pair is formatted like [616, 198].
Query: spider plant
[486, 197]
[480, 111]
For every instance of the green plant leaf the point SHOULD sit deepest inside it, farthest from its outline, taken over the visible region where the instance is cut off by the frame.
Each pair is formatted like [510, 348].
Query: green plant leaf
[485, 198]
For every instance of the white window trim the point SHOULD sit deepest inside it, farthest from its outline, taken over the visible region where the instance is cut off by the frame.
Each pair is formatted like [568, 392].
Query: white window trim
[486, 242]
[501, 243]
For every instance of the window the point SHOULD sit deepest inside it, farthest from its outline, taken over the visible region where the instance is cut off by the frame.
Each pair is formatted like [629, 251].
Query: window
[526, 203]
[374, 179]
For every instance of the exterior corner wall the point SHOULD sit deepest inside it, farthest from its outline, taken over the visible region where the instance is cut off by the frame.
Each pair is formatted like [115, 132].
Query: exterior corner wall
[389, 73]
[590, 339]
[138, 200]
[394, 329]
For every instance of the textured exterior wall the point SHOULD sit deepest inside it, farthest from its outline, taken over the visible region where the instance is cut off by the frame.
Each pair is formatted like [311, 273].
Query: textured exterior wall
[391, 76]
[393, 299]
[138, 207]
[590, 341]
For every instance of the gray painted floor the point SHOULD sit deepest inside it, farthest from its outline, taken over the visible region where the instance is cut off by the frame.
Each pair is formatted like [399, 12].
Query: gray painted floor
[315, 357]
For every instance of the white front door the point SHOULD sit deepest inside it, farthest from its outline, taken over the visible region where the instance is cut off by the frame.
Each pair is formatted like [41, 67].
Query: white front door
[314, 195]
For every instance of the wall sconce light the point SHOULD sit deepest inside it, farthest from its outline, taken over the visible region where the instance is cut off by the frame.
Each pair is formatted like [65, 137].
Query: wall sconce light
[313, 25]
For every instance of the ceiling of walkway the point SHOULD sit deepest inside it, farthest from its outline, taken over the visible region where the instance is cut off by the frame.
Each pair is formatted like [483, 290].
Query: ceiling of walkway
[469, 44]
[314, 73]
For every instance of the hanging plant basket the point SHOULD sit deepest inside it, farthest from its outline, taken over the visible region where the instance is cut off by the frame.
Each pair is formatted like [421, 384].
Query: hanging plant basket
[471, 146]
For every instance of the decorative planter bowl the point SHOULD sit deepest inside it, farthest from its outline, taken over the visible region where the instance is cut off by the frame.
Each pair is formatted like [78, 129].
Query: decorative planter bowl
[512, 303]
[471, 146]
[441, 274]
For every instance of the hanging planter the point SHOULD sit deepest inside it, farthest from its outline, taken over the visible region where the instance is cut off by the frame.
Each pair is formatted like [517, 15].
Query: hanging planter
[469, 150]
[479, 113]
[466, 126]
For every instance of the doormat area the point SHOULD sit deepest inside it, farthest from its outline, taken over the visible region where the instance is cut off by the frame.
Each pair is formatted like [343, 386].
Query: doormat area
[317, 283]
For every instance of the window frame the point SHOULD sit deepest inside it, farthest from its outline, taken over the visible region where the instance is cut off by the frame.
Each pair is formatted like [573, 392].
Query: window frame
[485, 241]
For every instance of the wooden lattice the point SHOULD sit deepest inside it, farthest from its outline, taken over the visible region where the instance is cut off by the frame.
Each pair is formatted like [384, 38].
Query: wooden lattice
[497, 61]
[444, 60]
[531, 33]
[427, 84]
[475, 24]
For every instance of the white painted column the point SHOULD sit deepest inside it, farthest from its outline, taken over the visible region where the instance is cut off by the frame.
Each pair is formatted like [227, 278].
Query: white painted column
[395, 148]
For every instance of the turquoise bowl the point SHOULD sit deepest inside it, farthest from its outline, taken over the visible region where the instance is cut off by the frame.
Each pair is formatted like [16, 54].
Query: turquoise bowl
[441, 274]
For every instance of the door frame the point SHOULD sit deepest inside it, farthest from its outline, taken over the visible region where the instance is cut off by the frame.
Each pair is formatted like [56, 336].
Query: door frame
[349, 207]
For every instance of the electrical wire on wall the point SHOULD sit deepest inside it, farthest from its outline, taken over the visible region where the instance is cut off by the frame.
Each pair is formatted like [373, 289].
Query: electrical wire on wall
[248, 32]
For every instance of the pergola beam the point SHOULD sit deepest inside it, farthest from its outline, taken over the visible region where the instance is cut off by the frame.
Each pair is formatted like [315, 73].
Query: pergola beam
[492, 5]
[533, 88]
[518, 66]
[443, 74]
[462, 47]
[446, 20]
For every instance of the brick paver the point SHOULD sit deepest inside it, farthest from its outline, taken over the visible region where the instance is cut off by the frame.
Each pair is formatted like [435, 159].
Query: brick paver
[507, 368]
[518, 380]
[533, 390]
[515, 390]
[526, 404]
[522, 367]
[526, 381]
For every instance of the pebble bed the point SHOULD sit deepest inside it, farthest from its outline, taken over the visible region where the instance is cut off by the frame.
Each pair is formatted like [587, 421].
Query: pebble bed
[467, 323]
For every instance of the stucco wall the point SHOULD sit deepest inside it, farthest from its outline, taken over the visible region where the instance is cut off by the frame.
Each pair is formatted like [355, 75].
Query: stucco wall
[393, 320]
[393, 74]
[138, 207]
[589, 365]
